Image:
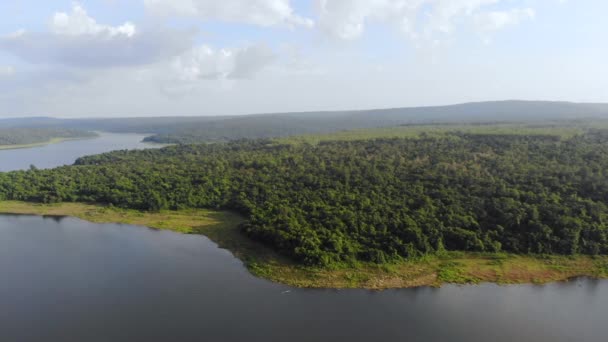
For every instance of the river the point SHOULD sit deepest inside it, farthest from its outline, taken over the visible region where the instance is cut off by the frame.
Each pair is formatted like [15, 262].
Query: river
[66, 152]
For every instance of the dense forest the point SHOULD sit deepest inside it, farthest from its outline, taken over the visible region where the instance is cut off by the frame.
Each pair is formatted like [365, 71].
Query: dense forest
[26, 136]
[374, 200]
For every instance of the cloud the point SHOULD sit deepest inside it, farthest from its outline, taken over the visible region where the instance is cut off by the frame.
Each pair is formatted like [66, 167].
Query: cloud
[445, 12]
[77, 40]
[79, 23]
[256, 12]
[347, 19]
[204, 62]
[251, 60]
[496, 20]
[78, 53]
[416, 19]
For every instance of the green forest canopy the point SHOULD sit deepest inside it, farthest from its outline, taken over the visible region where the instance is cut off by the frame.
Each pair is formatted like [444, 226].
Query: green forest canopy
[378, 200]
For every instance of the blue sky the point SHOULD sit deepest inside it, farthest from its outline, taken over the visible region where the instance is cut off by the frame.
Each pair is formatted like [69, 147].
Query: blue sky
[208, 57]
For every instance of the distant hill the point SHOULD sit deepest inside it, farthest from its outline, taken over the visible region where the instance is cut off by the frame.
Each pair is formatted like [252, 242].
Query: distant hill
[20, 136]
[219, 128]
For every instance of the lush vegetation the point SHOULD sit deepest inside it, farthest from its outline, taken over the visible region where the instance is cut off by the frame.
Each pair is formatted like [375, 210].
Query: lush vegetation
[378, 200]
[11, 137]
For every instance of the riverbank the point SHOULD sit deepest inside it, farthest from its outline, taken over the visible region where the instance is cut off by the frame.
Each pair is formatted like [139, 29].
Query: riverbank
[48, 142]
[222, 228]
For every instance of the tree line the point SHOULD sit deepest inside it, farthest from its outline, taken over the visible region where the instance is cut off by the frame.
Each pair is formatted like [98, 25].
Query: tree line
[25, 136]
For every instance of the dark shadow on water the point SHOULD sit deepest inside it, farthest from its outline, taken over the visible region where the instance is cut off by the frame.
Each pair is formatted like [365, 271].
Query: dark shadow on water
[55, 218]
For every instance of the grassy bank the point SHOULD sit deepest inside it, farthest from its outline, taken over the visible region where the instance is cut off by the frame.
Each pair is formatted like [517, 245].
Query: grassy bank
[221, 227]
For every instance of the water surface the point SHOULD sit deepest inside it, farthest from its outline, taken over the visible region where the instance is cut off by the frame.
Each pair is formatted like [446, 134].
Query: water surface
[66, 152]
[71, 280]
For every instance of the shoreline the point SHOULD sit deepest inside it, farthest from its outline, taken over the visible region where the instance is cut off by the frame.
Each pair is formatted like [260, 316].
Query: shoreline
[221, 227]
[41, 144]
[60, 140]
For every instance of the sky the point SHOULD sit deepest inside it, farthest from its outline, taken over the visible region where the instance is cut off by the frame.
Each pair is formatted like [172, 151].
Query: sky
[116, 58]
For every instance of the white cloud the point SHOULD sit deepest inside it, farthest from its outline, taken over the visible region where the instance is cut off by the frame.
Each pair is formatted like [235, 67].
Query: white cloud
[202, 63]
[205, 62]
[77, 40]
[79, 23]
[256, 12]
[445, 12]
[78, 53]
[496, 20]
[347, 19]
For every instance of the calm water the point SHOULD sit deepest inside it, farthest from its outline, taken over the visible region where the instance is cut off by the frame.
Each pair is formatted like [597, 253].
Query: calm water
[71, 280]
[67, 152]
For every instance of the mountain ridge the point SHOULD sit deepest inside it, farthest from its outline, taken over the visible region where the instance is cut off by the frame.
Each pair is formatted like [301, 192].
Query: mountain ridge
[192, 129]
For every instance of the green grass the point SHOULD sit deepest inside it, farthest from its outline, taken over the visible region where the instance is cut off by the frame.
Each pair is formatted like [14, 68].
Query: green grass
[454, 272]
[433, 270]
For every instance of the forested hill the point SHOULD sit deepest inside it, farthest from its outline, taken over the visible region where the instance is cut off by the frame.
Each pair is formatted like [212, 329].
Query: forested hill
[27, 136]
[373, 200]
[290, 124]
[225, 128]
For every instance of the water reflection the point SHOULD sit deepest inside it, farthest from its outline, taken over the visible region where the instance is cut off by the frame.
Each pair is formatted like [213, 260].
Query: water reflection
[55, 218]
[64, 279]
